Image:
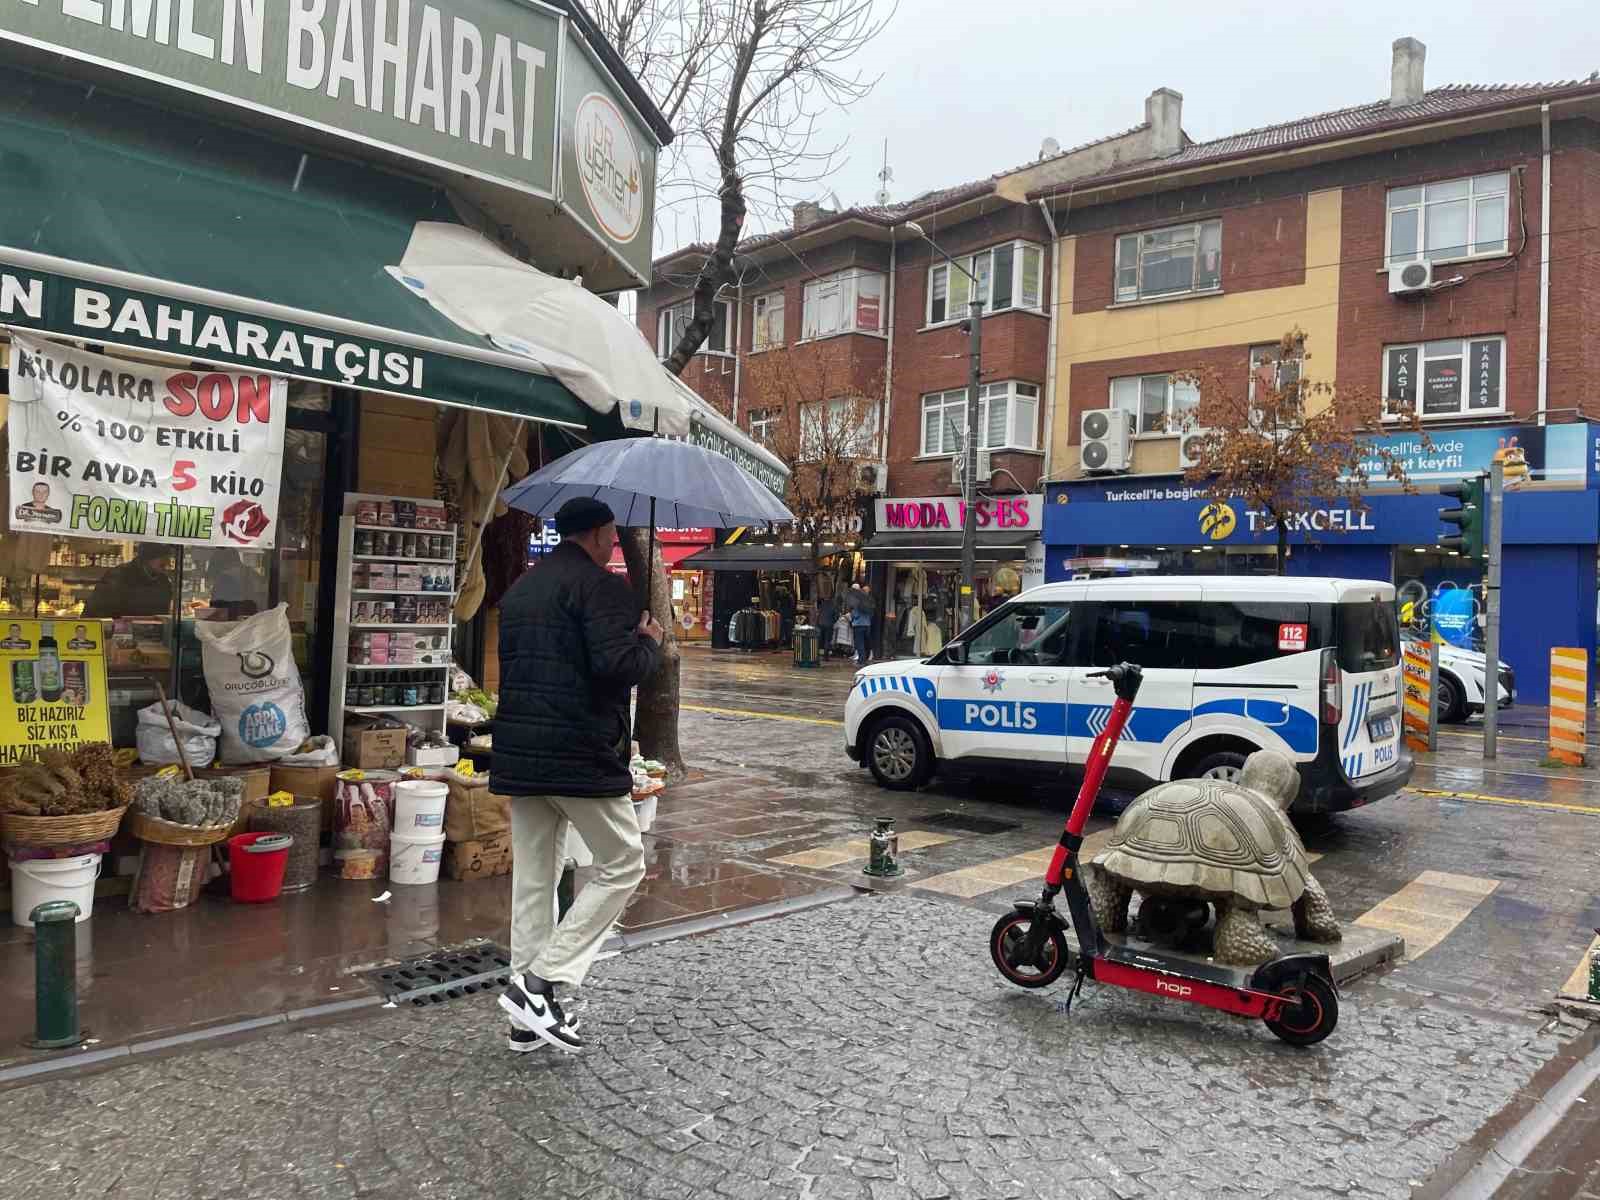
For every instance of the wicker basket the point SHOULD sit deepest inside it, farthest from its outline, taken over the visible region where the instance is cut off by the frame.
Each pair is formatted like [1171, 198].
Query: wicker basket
[73, 830]
[170, 833]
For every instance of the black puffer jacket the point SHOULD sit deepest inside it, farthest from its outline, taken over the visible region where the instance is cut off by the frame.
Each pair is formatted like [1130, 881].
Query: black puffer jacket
[569, 653]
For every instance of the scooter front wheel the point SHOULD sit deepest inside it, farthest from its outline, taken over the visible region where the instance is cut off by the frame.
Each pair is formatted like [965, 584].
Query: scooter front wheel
[1309, 1014]
[1007, 942]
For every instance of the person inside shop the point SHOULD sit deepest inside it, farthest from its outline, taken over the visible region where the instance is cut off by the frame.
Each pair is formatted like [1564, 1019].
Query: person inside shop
[140, 587]
[573, 644]
[232, 584]
[862, 609]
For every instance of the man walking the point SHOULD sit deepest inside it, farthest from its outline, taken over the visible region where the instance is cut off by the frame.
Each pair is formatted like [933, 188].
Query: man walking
[861, 611]
[572, 645]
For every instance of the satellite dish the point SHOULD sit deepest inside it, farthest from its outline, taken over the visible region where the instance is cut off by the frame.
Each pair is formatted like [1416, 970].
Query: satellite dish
[1049, 148]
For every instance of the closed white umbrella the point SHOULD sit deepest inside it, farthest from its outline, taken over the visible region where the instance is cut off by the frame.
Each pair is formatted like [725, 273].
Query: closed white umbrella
[586, 343]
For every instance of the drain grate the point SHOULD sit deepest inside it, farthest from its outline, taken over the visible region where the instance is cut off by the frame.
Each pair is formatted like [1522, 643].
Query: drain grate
[966, 822]
[443, 975]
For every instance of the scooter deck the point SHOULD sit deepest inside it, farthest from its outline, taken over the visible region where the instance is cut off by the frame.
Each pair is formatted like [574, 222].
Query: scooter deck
[1195, 967]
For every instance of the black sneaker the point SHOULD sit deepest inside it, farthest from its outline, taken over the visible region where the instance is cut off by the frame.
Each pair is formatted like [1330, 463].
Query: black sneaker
[539, 1013]
[520, 1041]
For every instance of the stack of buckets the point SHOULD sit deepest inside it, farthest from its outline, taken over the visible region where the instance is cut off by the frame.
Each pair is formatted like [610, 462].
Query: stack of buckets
[416, 844]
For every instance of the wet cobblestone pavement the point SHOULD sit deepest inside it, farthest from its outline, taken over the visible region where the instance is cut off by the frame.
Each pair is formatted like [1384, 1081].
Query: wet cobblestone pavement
[866, 1050]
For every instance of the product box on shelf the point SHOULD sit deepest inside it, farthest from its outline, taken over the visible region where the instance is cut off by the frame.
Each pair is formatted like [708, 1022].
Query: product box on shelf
[405, 514]
[429, 515]
[433, 756]
[366, 512]
[383, 577]
[386, 512]
[478, 860]
[407, 577]
[405, 611]
[373, 749]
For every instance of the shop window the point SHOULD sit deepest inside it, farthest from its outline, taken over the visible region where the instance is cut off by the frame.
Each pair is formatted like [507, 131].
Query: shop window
[1008, 418]
[1032, 634]
[1008, 277]
[1455, 218]
[768, 331]
[764, 423]
[849, 302]
[671, 322]
[1175, 261]
[1452, 378]
[1160, 403]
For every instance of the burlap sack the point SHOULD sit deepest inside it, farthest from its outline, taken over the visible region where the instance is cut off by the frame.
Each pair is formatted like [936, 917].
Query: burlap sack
[472, 813]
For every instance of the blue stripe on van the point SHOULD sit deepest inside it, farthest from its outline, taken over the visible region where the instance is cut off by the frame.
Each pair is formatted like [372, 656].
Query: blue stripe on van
[1296, 726]
[1358, 712]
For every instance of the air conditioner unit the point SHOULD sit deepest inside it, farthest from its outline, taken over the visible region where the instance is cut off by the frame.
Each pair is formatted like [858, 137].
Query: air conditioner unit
[873, 477]
[1412, 278]
[985, 468]
[1106, 437]
[1186, 457]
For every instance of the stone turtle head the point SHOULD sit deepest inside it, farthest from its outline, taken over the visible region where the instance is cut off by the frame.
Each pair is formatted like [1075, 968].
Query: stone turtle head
[1273, 776]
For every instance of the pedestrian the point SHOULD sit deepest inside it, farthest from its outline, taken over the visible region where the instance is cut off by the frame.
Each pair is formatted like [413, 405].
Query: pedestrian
[572, 645]
[861, 612]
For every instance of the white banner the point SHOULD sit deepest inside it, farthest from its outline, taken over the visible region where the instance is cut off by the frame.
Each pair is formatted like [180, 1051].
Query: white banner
[105, 448]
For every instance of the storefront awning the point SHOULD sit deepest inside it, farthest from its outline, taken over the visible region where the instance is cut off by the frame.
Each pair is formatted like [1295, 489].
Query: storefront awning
[123, 224]
[672, 556]
[996, 546]
[757, 558]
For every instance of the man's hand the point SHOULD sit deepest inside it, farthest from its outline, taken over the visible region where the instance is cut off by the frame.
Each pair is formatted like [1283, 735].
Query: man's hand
[649, 627]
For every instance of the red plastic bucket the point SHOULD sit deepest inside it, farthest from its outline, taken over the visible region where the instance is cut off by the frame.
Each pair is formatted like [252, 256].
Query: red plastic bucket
[256, 877]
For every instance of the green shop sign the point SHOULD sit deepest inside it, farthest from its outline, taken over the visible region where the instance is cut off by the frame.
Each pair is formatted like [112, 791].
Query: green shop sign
[763, 472]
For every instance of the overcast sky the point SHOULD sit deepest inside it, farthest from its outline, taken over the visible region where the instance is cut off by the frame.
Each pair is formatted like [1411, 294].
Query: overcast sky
[970, 88]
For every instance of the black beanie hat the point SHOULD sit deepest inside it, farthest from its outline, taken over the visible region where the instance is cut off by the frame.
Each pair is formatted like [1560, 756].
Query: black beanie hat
[581, 514]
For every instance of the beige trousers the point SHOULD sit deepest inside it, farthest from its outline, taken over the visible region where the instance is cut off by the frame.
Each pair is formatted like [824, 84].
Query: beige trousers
[564, 953]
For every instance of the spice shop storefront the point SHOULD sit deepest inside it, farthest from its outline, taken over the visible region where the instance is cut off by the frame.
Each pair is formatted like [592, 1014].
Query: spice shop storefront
[1552, 527]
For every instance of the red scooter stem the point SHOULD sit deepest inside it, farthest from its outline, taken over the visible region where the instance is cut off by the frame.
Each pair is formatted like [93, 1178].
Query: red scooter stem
[1127, 680]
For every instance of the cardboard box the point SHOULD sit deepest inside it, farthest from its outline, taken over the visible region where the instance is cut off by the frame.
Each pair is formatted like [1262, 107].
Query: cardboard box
[318, 782]
[374, 749]
[433, 756]
[478, 860]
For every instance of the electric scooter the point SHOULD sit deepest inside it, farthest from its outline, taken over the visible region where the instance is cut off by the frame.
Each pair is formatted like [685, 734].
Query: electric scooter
[1294, 994]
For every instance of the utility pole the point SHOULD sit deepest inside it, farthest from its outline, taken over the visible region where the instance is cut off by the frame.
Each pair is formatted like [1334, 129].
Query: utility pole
[969, 467]
[1491, 590]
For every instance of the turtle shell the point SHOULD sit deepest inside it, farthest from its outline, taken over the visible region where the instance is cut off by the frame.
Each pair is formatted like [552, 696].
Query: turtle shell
[1208, 837]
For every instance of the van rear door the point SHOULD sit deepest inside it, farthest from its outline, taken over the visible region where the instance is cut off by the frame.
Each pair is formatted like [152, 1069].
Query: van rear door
[1367, 648]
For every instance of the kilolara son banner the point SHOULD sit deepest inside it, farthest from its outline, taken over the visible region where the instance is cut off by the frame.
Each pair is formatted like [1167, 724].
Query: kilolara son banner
[105, 448]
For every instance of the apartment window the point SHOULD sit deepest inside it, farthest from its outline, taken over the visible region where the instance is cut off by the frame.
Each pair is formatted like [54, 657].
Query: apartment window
[849, 302]
[1459, 218]
[768, 331]
[1456, 377]
[1008, 418]
[1009, 276]
[672, 321]
[764, 425]
[1161, 403]
[1270, 370]
[1175, 261]
[842, 428]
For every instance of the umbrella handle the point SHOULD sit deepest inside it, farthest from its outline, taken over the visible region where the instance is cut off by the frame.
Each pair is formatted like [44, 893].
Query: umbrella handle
[650, 556]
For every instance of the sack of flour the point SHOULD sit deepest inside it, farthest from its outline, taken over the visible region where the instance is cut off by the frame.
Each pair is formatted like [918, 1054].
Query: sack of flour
[254, 685]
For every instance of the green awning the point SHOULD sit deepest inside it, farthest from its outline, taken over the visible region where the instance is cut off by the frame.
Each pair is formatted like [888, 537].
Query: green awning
[122, 223]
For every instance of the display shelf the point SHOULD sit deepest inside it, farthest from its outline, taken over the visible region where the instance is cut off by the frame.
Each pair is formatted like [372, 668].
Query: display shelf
[383, 708]
[451, 532]
[398, 592]
[392, 625]
[350, 666]
[404, 559]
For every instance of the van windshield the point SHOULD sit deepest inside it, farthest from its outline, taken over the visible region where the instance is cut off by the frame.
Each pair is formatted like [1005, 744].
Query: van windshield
[1369, 636]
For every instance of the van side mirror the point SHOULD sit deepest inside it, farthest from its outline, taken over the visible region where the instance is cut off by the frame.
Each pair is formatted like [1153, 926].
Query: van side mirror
[956, 652]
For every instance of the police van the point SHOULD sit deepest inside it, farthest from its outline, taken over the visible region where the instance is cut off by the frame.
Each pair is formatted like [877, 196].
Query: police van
[1308, 667]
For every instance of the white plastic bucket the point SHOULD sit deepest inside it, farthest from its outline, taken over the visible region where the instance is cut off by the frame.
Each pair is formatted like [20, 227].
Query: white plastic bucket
[419, 807]
[645, 810]
[41, 880]
[415, 859]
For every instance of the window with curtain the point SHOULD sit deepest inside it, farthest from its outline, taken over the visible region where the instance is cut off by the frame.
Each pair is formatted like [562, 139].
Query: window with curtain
[1008, 418]
[1161, 403]
[1175, 261]
[1009, 276]
[1455, 218]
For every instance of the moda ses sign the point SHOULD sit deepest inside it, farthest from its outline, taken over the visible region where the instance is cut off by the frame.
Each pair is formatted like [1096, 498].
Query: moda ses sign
[101, 447]
[949, 512]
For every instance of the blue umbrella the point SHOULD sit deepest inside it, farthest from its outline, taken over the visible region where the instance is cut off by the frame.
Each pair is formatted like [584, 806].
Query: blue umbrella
[645, 479]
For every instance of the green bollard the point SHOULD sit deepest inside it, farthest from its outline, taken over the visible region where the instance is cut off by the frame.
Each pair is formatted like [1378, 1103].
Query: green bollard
[55, 980]
[883, 851]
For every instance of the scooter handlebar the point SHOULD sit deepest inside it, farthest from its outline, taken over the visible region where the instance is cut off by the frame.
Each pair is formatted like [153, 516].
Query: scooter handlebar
[1125, 679]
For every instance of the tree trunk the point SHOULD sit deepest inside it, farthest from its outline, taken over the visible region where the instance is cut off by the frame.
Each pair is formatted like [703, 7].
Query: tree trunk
[656, 717]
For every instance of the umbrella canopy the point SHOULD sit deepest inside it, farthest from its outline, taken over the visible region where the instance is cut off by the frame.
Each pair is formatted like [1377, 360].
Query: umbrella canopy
[586, 343]
[646, 481]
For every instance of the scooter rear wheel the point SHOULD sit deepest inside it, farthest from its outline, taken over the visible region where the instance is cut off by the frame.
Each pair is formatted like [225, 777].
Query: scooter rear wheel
[1006, 941]
[1310, 1013]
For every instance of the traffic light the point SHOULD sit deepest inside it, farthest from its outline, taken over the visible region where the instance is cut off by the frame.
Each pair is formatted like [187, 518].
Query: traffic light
[1468, 518]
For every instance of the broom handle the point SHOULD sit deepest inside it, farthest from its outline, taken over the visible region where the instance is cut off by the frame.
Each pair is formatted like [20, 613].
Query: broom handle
[188, 771]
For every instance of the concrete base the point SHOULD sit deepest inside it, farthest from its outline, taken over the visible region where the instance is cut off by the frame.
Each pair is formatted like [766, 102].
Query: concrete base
[1360, 951]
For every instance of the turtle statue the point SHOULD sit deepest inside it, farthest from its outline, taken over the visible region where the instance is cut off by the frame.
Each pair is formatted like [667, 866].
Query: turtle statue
[1201, 840]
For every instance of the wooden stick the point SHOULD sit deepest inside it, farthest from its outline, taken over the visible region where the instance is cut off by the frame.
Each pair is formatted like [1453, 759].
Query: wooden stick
[183, 758]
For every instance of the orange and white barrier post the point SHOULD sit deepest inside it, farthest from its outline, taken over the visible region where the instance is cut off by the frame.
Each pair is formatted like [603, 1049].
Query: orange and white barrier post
[1569, 704]
[1417, 718]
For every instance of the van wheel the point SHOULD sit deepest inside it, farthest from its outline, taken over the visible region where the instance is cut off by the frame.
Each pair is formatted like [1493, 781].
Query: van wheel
[1452, 703]
[1224, 764]
[898, 754]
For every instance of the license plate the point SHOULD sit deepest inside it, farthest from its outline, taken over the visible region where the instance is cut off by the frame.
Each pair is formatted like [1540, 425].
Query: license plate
[1381, 729]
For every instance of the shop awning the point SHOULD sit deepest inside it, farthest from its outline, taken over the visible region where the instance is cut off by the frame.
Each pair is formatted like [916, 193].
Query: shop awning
[911, 546]
[756, 558]
[128, 225]
[672, 555]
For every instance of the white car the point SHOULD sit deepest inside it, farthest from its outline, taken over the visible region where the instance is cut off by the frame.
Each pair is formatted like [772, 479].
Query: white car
[1307, 667]
[1461, 683]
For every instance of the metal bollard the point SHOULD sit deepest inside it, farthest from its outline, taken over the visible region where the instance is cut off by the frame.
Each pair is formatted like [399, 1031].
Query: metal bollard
[883, 851]
[55, 979]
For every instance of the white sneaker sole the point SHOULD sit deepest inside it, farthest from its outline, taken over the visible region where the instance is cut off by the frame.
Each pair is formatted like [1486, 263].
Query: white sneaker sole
[522, 1019]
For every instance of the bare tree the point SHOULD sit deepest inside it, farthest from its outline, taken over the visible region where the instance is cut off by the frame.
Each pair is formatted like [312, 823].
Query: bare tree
[1283, 446]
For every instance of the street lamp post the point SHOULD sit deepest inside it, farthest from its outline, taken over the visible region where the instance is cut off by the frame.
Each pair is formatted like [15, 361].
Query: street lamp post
[969, 451]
